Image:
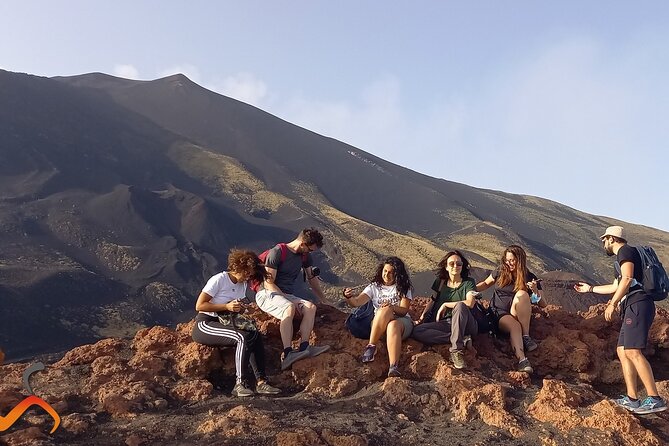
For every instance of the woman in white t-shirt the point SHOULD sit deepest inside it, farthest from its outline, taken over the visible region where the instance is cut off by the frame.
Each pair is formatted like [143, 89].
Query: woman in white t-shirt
[227, 291]
[390, 293]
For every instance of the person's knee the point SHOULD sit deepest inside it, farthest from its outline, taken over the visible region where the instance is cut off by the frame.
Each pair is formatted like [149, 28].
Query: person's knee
[633, 354]
[395, 328]
[289, 312]
[459, 308]
[384, 313]
[309, 308]
[521, 296]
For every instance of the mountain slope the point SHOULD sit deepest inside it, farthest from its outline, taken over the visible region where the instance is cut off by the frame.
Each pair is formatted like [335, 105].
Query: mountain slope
[119, 198]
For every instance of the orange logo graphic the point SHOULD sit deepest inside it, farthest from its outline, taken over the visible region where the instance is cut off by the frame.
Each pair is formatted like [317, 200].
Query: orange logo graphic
[18, 410]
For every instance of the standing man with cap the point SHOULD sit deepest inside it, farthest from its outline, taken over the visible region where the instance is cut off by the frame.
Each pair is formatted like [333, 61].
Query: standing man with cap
[638, 311]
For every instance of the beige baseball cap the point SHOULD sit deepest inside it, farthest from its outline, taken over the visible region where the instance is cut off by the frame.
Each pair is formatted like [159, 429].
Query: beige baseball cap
[614, 231]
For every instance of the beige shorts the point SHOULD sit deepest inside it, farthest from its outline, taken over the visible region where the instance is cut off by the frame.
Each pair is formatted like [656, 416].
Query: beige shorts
[275, 303]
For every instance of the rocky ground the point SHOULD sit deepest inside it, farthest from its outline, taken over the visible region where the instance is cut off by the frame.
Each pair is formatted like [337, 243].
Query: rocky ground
[162, 388]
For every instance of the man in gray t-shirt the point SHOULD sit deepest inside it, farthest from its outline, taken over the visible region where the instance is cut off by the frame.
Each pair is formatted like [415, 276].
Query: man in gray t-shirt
[284, 263]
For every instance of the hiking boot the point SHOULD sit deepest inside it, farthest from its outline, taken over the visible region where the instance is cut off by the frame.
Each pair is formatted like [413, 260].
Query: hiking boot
[241, 390]
[467, 339]
[265, 389]
[529, 344]
[394, 370]
[525, 366]
[458, 359]
[651, 404]
[293, 356]
[369, 353]
[628, 403]
[315, 350]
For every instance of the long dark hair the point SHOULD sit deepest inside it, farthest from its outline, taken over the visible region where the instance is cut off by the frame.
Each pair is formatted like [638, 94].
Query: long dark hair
[442, 273]
[519, 276]
[402, 280]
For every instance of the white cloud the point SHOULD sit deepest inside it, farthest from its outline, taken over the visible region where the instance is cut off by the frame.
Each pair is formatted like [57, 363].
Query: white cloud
[126, 71]
[244, 87]
[372, 121]
[188, 70]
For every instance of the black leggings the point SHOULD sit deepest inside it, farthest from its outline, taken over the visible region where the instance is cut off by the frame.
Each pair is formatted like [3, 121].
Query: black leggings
[250, 350]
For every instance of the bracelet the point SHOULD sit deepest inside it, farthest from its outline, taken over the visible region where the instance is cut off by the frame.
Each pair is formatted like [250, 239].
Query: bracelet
[592, 289]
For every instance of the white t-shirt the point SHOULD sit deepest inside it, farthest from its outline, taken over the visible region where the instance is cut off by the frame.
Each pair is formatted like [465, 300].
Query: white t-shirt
[380, 294]
[222, 290]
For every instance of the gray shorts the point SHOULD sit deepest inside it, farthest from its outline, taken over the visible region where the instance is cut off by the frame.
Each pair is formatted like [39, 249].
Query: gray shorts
[275, 303]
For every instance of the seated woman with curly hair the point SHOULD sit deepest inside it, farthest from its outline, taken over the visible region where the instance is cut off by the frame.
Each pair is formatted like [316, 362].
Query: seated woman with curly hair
[390, 293]
[227, 292]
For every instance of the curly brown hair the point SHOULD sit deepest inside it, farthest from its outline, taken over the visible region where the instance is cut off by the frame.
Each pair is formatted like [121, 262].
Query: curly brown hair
[311, 236]
[247, 264]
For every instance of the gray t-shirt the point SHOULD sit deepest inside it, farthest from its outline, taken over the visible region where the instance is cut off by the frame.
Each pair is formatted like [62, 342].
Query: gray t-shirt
[288, 270]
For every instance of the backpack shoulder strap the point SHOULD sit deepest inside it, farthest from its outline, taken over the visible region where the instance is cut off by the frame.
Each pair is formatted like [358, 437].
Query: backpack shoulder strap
[284, 251]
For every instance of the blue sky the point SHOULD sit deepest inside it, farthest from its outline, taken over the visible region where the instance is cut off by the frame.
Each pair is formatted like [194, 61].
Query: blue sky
[563, 100]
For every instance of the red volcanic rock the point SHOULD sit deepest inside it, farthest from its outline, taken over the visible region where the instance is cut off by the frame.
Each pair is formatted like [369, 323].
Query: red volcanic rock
[301, 437]
[660, 328]
[9, 398]
[195, 390]
[165, 369]
[87, 353]
[611, 418]
[488, 402]
[333, 439]
[424, 365]
[134, 440]
[103, 370]
[12, 376]
[519, 379]
[330, 375]
[77, 423]
[121, 398]
[2, 357]
[148, 365]
[155, 340]
[240, 420]
[557, 403]
[194, 360]
[32, 436]
[401, 393]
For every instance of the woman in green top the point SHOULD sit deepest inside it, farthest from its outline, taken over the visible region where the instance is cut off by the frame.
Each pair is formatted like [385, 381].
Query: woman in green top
[447, 318]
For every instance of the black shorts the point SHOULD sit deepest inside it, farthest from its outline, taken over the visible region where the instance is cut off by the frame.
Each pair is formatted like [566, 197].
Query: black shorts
[637, 319]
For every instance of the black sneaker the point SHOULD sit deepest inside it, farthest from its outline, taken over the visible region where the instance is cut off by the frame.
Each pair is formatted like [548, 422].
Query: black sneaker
[394, 371]
[529, 344]
[293, 356]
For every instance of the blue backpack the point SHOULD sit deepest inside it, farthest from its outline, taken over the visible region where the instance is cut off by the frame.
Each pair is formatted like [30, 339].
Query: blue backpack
[655, 280]
[359, 323]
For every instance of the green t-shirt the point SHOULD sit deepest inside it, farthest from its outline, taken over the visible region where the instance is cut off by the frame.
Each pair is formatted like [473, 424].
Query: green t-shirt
[450, 295]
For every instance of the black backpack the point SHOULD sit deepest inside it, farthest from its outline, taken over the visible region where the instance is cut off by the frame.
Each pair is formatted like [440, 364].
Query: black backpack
[655, 280]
